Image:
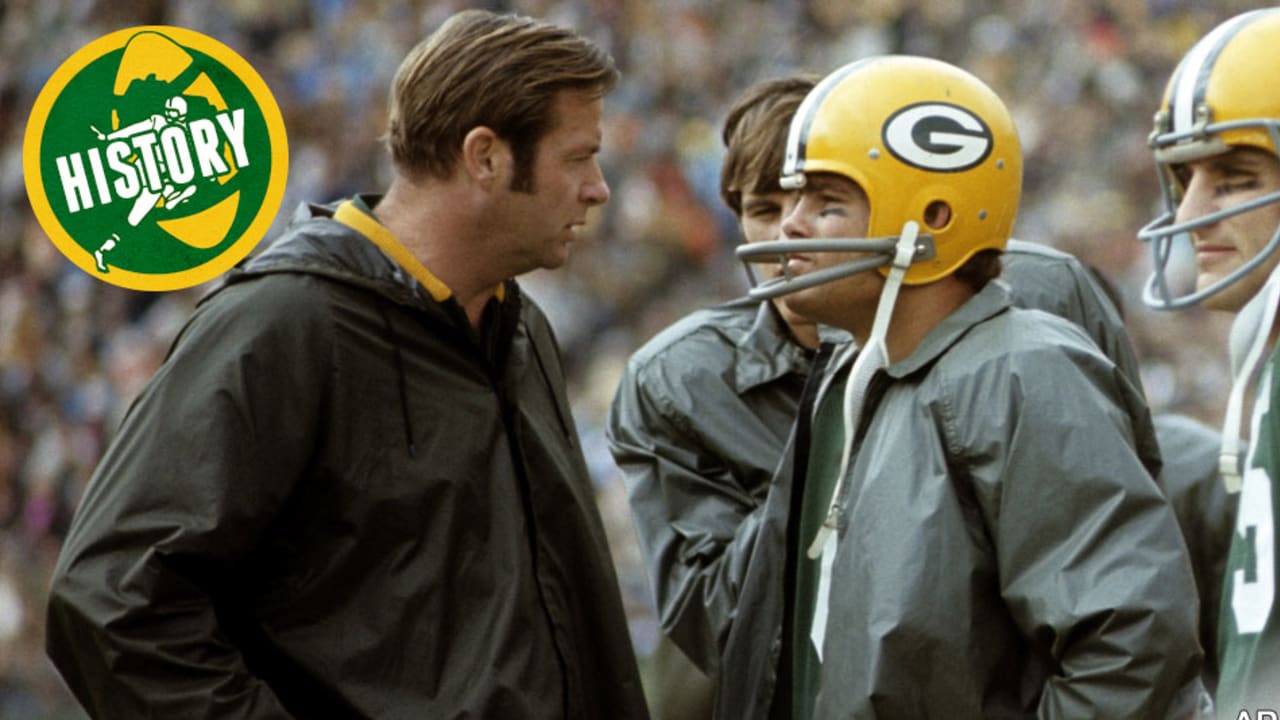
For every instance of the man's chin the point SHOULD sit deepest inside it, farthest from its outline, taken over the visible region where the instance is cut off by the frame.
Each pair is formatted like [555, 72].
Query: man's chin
[804, 305]
[1235, 295]
[789, 314]
[557, 258]
[1229, 299]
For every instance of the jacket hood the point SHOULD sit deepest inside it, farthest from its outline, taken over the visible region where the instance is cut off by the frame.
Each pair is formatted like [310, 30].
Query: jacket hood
[315, 243]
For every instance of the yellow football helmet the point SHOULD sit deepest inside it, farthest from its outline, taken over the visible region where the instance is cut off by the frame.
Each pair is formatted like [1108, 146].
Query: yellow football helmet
[911, 132]
[1222, 95]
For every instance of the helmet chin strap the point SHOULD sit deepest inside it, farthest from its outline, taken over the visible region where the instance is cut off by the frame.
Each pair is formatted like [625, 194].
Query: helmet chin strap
[872, 356]
[1250, 332]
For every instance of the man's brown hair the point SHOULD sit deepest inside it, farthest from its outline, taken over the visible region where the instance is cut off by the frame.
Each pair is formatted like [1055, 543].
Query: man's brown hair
[501, 71]
[755, 136]
[982, 268]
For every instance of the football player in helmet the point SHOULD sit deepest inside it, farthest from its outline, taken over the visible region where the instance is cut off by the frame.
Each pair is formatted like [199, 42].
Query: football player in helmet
[1216, 145]
[956, 548]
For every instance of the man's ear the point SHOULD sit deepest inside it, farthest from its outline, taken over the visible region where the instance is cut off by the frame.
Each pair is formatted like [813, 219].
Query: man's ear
[485, 156]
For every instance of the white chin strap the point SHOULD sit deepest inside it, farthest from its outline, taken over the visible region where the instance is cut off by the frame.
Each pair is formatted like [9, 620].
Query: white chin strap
[1249, 334]
[872, 356]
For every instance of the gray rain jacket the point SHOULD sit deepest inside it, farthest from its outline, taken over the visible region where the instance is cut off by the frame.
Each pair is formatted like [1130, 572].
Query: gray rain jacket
[1003, 552]
[715, 551]
[698, 427]
[336, 500]
[1206, 514]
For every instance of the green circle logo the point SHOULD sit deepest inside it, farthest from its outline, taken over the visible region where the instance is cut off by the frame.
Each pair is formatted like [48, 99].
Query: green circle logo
[155, 158]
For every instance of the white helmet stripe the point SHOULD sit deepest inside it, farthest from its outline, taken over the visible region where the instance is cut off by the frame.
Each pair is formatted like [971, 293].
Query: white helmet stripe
[1193, 72]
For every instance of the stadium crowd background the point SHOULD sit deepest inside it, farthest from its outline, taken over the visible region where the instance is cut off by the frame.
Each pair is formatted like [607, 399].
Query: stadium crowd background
[1081, 77]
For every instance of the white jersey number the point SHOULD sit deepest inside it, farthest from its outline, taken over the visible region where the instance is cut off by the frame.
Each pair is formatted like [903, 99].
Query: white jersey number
[1254, 585]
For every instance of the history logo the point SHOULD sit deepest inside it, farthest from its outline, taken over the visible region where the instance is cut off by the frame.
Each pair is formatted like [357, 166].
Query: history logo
[155, 158]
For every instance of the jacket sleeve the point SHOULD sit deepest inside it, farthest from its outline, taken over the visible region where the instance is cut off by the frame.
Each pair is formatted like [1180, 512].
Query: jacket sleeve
[695, 520]
[204, 458]
[1058, 283]
[1206, 515]
[1091, 562]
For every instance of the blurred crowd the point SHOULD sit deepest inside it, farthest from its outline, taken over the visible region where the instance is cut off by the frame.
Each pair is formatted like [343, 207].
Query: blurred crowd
[1082, 78]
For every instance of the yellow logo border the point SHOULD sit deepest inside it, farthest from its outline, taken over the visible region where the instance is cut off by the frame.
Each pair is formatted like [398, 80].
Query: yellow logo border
[214, 267]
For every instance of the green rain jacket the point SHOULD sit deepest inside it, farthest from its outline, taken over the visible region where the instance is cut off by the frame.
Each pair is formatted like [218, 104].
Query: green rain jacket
[335, 500]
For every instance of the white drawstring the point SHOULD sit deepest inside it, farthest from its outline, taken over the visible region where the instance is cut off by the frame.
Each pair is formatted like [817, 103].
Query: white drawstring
[872, 356]
[1251, 328]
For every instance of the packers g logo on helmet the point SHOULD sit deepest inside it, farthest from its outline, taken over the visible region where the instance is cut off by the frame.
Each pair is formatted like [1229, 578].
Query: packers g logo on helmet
[155, 158]
[1222, 95]
[912, 132]
[938, 136]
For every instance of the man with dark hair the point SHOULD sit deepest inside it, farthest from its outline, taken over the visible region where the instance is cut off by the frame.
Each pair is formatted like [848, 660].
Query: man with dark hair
[355, 488]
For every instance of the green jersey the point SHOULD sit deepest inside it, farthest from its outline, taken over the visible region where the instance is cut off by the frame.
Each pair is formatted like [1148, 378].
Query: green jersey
[1249, 634]
[827, 445]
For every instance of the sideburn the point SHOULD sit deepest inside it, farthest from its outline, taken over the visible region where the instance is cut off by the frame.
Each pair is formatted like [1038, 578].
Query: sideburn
[523, 154]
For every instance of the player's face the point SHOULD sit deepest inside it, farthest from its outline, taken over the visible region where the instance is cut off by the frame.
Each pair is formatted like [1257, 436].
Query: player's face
[831, 206]
[567, 181]
[761, 220]
[1218, 183]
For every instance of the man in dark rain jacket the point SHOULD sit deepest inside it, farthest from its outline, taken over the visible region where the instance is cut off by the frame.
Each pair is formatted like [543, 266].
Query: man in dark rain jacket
[354, 488]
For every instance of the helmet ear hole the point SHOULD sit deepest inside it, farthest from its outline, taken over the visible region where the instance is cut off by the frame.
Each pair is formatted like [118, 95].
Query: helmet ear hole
[937, 216]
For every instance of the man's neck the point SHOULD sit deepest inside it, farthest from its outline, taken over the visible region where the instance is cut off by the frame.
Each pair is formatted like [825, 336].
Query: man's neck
[918, 310]
[434, 221]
